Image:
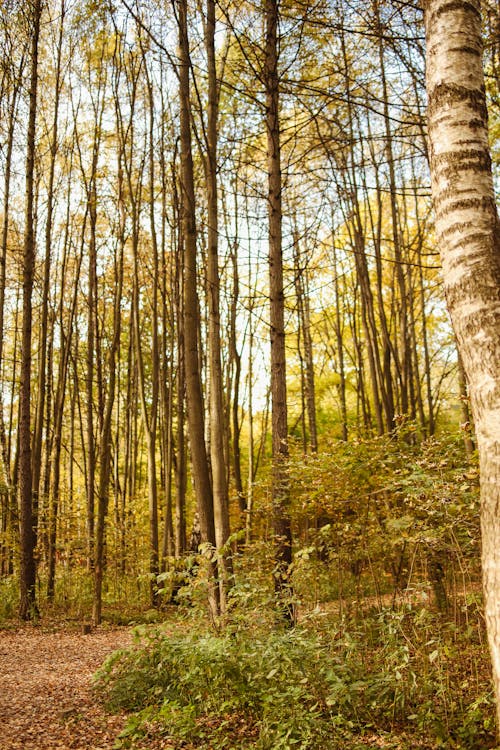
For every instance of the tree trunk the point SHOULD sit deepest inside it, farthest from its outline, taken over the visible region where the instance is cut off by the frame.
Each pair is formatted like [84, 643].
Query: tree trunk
[6, 469]
[167, 344]
[400, 350]
[339, 339]
[105, 443]
[191, 315]
[181, 463]
[468, 236]
[91, 354]
[44, 340]
[301, 274]
[66, 333]
[216, 411]
[279, 419]
[27, 605]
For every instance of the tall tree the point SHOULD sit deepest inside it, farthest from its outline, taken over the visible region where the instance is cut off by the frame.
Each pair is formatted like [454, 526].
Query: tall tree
[12, 95]
[40, 411]
[12, 79]
[191, 314]
[216, 414]
[28, 606]
[468, 235]
[279, 418]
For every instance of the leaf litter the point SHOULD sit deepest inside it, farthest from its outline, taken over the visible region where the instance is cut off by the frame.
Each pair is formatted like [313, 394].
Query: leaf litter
[46, 698]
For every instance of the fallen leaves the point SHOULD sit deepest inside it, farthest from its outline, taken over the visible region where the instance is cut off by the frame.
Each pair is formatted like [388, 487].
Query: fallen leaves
[46, 700]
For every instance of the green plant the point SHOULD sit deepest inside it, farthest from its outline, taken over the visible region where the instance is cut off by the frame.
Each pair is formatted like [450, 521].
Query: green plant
[375, 517]
[296, 689]
[9, 598]
[321, 687]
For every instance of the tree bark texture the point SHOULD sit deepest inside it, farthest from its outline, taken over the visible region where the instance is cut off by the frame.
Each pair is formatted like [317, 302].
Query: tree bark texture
[218, 454]
[468, 236]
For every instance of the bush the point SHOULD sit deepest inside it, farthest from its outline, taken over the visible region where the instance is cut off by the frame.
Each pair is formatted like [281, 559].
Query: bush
[301, 689]
[374, 517]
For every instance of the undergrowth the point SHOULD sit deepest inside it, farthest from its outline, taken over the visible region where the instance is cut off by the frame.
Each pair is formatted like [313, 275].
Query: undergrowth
[404, 674]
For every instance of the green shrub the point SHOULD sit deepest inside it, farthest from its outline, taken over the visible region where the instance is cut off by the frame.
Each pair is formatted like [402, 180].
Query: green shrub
[301, 689]
[278, 692]
[374, 517]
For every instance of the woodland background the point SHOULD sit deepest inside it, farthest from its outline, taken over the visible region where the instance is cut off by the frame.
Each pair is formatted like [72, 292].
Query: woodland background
[381, 470]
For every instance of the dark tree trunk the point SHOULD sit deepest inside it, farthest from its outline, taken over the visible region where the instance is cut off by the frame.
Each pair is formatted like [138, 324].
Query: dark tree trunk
[28, 606]
[191, 315]
[279, 418]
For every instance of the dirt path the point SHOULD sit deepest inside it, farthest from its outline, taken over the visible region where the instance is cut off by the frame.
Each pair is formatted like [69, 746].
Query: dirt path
[46, 701]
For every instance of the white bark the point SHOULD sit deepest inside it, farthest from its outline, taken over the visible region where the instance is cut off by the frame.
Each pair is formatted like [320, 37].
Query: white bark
[468, 237]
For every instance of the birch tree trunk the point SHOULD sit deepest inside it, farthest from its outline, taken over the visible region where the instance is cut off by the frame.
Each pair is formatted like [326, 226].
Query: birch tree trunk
[468, 235]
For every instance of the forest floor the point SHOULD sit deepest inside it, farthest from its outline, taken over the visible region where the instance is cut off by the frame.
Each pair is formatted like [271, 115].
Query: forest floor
[46, 699]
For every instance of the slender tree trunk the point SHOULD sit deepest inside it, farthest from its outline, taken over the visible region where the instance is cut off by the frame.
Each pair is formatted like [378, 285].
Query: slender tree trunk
[235, 360]
[425, 385]
[181, 463]
[167, 407]
[8, 448]
[66, 333]
[216, 411]
[43, 340]
[279, 419]
[251, 462]
[468, 236]
[340, 343]
[304, 327]
[431, 422]
[105, 446]
[3, 268]
[191, 315]
[400, 352]
[233, 417]
[28, 605]
[129, 468]
[90, 359]
[167, 347]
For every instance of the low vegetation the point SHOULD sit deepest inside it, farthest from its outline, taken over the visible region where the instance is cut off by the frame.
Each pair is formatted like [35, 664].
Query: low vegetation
[389, 650]
[402, 675]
